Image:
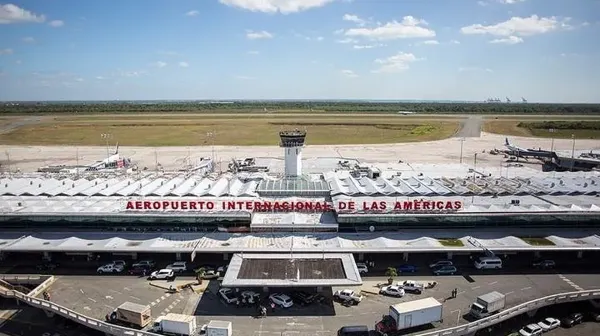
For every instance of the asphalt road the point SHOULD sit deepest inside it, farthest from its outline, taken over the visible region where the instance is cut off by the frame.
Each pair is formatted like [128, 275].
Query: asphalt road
[470, 127]
[97, 295]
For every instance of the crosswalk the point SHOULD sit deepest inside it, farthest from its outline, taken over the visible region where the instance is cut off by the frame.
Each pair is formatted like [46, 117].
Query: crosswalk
[176, 301]
[571, 283]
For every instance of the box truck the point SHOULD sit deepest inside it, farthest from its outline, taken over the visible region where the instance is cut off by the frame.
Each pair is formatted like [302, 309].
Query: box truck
[410, 314]
[175, 324]
[488, 304]
[133, 314]
[219, 328]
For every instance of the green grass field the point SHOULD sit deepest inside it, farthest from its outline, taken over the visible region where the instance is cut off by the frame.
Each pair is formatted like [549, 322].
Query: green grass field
[262, 129]
[562, 128]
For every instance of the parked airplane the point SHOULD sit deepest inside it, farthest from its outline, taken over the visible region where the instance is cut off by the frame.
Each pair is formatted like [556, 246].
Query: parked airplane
[523, 152]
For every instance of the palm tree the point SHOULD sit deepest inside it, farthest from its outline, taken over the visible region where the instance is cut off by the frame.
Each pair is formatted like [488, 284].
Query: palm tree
[200, 274]
[391, 272]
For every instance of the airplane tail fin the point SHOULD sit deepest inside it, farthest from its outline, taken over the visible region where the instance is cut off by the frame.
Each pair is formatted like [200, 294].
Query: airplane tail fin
[117, 148]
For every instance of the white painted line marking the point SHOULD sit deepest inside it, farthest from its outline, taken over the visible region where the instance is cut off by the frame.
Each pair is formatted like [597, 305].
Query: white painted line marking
[454, 311]
[167, 310]
[114, 291]
[108, 306]
[94, 301]
[508, 293]
[461, 292]
[170, 307]
[135, 298]
[87, 308]
[162, 297]
[493, 283]
[157, 301]
[127, 289]
[525, 288]
[167, 295]
[81, 290]
[153, 304]
[475, 287]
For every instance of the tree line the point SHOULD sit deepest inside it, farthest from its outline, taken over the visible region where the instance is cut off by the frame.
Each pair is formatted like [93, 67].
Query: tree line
[295, 106]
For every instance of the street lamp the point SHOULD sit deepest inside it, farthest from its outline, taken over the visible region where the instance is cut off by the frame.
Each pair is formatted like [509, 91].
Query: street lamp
[107, 137]
[573, 152]
[462, 140]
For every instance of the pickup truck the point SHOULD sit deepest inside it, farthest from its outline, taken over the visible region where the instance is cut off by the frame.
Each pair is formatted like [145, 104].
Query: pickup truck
[110, 268]
[348, 295]
[396, 291]
[412, 286]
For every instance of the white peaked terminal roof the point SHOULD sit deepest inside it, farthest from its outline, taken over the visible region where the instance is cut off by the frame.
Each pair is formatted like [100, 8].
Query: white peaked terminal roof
[410, 241]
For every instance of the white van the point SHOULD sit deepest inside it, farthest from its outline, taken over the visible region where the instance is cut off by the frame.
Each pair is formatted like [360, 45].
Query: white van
[488, 263]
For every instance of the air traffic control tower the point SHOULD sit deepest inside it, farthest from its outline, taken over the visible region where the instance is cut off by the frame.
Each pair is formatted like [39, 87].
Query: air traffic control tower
[292, 142]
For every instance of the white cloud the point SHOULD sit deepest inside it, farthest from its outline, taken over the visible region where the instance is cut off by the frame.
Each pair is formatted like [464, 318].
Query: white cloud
[252, 35]
[56, 23]
[347, 41]
[454, 42]
[184, 64]
[431, 42]
[409, 27]
[338, 32]
[6, 51]
[159, 64]
[482, 3]
[253, 52]
[354, 18]
[79, 79]
[510, 2]
[275, 6]
[192, 13]
[244, 77]
[349, 73]
[396, 63]
[10, 13]
[99, 77]
[29, 39]
[474, 69]
[519, 26]
[508, 40]
[368, 46]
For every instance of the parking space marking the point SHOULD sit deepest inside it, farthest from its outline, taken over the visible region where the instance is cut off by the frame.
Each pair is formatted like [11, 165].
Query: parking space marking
[493, 283]
[135, 298]
[94, 301]
[114, 291]
[525, 288]
[571, 283]
[475, 287]
[508, 293]
[127, 289]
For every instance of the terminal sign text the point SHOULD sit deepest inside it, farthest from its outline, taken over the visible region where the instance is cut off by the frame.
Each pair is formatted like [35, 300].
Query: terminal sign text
[293, 206]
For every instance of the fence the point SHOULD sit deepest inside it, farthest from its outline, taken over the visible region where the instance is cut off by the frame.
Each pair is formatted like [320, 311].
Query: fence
[471, 328]
[102, 326]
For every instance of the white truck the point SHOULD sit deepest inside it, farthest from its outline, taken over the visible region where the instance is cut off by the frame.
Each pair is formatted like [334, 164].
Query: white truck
[175, 324]
[488, 304]
[412, 286]
[219, 328]
[348, 295]
[410, 314]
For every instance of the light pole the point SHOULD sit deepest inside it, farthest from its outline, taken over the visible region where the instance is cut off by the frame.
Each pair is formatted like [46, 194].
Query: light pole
[462, 141]
[107, 137]
[573, 152]
[474, 166]
[211, 136]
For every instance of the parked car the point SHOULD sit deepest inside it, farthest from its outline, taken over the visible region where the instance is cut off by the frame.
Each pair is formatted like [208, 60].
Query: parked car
[122, 263]
[228, 295]
[395, 291]
[251, 296]
[531, 330]
[362, 268]
[140, 271]
[210, 274]
[178, 266]
[445, 270]
[348, 295]
[163, 274]
[281, 300]
[571, 320]
[110, 268]
[303, 298]
[593, 316]
[544, 264]
[549, 323]
[47, 266]
[406, 268]
[149, 264]
[441, 263]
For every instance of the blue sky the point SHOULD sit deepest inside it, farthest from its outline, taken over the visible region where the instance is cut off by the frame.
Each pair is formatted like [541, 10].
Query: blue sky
[544, 50]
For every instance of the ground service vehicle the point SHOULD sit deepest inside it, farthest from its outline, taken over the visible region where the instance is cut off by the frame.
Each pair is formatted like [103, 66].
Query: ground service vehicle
[175, 324]
[488, 304]
[410, 314]
[219, 328]
[133, 314]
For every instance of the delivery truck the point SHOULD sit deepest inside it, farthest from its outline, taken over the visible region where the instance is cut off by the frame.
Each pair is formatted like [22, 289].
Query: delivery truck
[132, 314]
[219, 328]
[410, 314]
[175, 324]
[488, 304]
